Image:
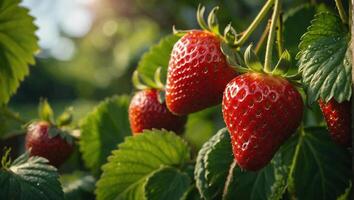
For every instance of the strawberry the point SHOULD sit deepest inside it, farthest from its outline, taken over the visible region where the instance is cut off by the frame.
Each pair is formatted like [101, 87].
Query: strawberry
[47, 141]
[261, 111]
[197, 73]
[146, 112]
[337, 116]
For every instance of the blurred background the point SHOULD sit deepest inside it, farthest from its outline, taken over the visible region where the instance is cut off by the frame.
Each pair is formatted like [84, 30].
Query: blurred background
[89, 49]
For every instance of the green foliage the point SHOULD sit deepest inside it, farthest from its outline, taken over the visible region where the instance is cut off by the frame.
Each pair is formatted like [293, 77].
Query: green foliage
[218, 177]
[321, 164]
[104, 128]
[301, 16]
[136, 161]
[17, 46]
[157, 56]
[210, 177]
[10, 123]
[308, 157]
[30, 178]
[77, 185]
[325, 59]
[167, 183]
[201, 126]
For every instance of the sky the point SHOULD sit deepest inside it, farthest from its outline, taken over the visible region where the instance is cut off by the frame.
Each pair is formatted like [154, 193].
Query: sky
[58, 22]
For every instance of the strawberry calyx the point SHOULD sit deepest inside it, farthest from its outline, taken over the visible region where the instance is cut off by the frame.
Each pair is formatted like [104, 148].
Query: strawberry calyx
[63, 133]
[159, 86]
[229, 35]
[253, 64]
[58, 126]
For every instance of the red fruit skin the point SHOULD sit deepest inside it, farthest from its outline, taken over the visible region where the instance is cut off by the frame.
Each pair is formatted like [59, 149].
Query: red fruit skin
[55, 149]
[197, 73]
[338, 118]
[261, 111]
[146, 112]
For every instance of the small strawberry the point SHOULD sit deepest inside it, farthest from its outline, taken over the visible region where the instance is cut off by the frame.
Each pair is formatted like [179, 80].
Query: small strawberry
[47, 141]
[261, 111]
[337, 116]
[198, 71]
[147, 112]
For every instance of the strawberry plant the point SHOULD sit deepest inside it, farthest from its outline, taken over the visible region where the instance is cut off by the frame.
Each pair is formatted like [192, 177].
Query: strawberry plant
[280, 99]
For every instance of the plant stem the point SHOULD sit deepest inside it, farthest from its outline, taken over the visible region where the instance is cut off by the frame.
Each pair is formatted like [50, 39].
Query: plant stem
[271, 37]
[291, 186]
[280, 35]
[262, 39]
[341, 11]
[255, 23]
[13, 116]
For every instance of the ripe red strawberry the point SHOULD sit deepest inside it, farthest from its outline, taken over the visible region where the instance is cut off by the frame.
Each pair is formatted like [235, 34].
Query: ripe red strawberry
[337, 116]
[39, 142]
[261, 111]
[197, 73]
[146, 112]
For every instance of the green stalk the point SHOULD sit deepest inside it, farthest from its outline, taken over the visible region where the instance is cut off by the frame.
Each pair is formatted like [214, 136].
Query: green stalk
[255, 23]
[294, 162]
[271, 37]
[341, 11]
[280, 35]
[262, 39]
[13, 116]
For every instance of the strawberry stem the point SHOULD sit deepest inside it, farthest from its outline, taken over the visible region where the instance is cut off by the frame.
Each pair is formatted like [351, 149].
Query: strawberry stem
[341, 11]
[280, 35]
[255, 23]
[271, 37]
[262, 39]
[14, 116]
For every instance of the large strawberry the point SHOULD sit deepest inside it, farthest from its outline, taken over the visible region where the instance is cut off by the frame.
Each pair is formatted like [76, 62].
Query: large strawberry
[147, 112]
[337, 116]
[261, 111]
[197, 72]
[47, 141]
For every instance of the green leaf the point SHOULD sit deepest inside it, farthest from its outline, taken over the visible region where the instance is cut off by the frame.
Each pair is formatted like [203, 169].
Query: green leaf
[104, 128]
[200, 127]
[267, 183]
[211, 174]
[157, 56]
[321, 164]
[325, 59]
[296, 21]
[30, 178]
[347, 193]
[11, 124]
[18, 44]
[128, 168]
[78, 185]
[167, 183]
[217, 176]
[192, 194]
